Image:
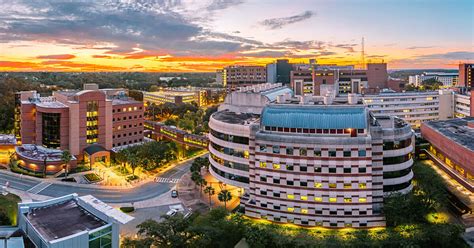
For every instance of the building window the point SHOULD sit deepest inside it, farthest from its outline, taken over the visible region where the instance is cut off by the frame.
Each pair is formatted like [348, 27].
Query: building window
[291, 209]
[92, 122]
[332, 170]
[347, 170]
[362, 170]
[318, 185]
[289, 183]
[303, 184]
[332, 185]
[347, 153]
[347, 185]
[263, 179]
[289, 151]
[303, 168]
[362, 185]
[290, 197]
[362, 153]
[276, 166]
[362, 199]
[51, 131]
[332, 199]
[304, 211]
[263, 165]
[347, 200]
[276, 180]
[276, 149]
[317, 153]
[304, 198]
[332, 153]
[276, 194]
[318, 199]
[303, 152]
[289, 167]
[263, 148]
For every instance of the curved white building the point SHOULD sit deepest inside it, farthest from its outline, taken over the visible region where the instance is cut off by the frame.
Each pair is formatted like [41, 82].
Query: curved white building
[311, 165]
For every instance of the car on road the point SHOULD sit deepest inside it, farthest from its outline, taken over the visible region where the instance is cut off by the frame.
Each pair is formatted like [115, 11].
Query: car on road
[172, 212]
[174, 193]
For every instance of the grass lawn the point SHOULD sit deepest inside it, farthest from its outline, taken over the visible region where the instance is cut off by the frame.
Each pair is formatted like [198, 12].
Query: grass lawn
[8, 205]
[92, 177]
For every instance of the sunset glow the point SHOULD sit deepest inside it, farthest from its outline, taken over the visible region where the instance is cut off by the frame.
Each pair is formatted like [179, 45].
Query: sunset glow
[196, 35]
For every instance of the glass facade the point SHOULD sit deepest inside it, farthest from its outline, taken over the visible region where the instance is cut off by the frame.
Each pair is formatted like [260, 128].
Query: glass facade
[92, 122]
[230, 138]
[101, 238]
[51, 136]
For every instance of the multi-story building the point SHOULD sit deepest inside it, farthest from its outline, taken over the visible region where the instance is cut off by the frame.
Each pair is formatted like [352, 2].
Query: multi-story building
[301, 81]
[69, 221]
[452, 148]
[447, 79]
[345, 81]
[463, 104]
[243, 75]
[87, 122]
[311, 163]
[466, 75]
[413, 107]
[199, 96]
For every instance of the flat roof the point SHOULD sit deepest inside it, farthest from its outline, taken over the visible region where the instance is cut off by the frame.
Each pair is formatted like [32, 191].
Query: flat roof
[456, 130]
[7, 139]
[62, 220]
[235, 118]
[37, 152]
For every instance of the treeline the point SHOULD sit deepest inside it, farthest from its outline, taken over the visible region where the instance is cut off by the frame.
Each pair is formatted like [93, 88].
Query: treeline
[130, 80]
[8, 87]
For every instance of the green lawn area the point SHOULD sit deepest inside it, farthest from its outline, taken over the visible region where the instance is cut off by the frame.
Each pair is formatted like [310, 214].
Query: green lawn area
[92, 177]
[8, 208]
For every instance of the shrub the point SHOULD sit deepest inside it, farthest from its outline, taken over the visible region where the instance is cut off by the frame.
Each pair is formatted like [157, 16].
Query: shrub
[92, 177]
[127, 209]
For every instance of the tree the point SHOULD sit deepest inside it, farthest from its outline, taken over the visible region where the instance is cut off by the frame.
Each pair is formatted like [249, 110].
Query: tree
[66, 158]
[210, 191]
[224, 196]
[171, 232]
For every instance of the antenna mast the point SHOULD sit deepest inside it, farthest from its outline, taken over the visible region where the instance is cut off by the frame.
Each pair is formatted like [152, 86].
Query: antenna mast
[362, 54]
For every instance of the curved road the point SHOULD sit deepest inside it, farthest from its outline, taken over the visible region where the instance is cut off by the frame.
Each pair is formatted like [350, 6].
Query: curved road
[139, 193]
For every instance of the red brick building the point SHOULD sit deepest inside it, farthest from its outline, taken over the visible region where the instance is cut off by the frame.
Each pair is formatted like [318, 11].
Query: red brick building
[87, 122]
[452, 147]
[466, 75]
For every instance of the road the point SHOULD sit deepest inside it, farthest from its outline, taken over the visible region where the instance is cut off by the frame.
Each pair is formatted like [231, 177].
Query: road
[139, 193]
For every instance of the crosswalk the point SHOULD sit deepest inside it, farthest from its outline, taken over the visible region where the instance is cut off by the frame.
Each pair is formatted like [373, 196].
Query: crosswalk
[166, 180]
[38, 188]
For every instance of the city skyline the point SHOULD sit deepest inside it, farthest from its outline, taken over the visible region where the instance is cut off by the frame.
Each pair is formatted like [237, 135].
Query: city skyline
[195, 36]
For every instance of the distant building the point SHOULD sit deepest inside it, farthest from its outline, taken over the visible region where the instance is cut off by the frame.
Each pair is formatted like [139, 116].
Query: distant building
[219, 77]
[301, 81]
[197, 95]
[71, 221]
[243, 75]
[88, 123]
[466, 75]
[271, 73]
[344, 80]
[447, 79]
[396, 84]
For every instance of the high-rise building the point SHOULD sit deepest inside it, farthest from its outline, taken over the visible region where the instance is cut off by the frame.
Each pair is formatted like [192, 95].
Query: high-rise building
[87, 122]
[316, 163]
[466, 75]
[301, 81]
[283, 69]
[243, 75]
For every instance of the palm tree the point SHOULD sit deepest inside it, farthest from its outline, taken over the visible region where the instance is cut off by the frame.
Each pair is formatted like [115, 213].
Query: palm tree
[210, 191]
[66, 158]
[201, 182]
[224, 196]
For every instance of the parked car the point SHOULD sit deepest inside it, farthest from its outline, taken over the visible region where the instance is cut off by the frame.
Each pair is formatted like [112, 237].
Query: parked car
[172, 212]
[174, 193]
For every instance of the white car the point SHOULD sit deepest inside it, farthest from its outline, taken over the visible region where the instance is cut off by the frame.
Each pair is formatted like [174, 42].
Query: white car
[172, 212]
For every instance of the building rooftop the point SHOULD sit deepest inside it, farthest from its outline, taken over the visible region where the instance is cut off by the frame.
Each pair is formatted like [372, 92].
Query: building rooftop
[235, 118]
[456, 130]
[62, 219]
[36, 152]
[171, 93]
[314, 116]
[7, 139]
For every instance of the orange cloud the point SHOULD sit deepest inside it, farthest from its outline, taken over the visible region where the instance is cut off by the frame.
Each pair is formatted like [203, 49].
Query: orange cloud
[57, 56]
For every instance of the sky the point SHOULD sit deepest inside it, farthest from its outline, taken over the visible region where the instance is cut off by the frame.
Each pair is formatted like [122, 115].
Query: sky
[205, 35]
